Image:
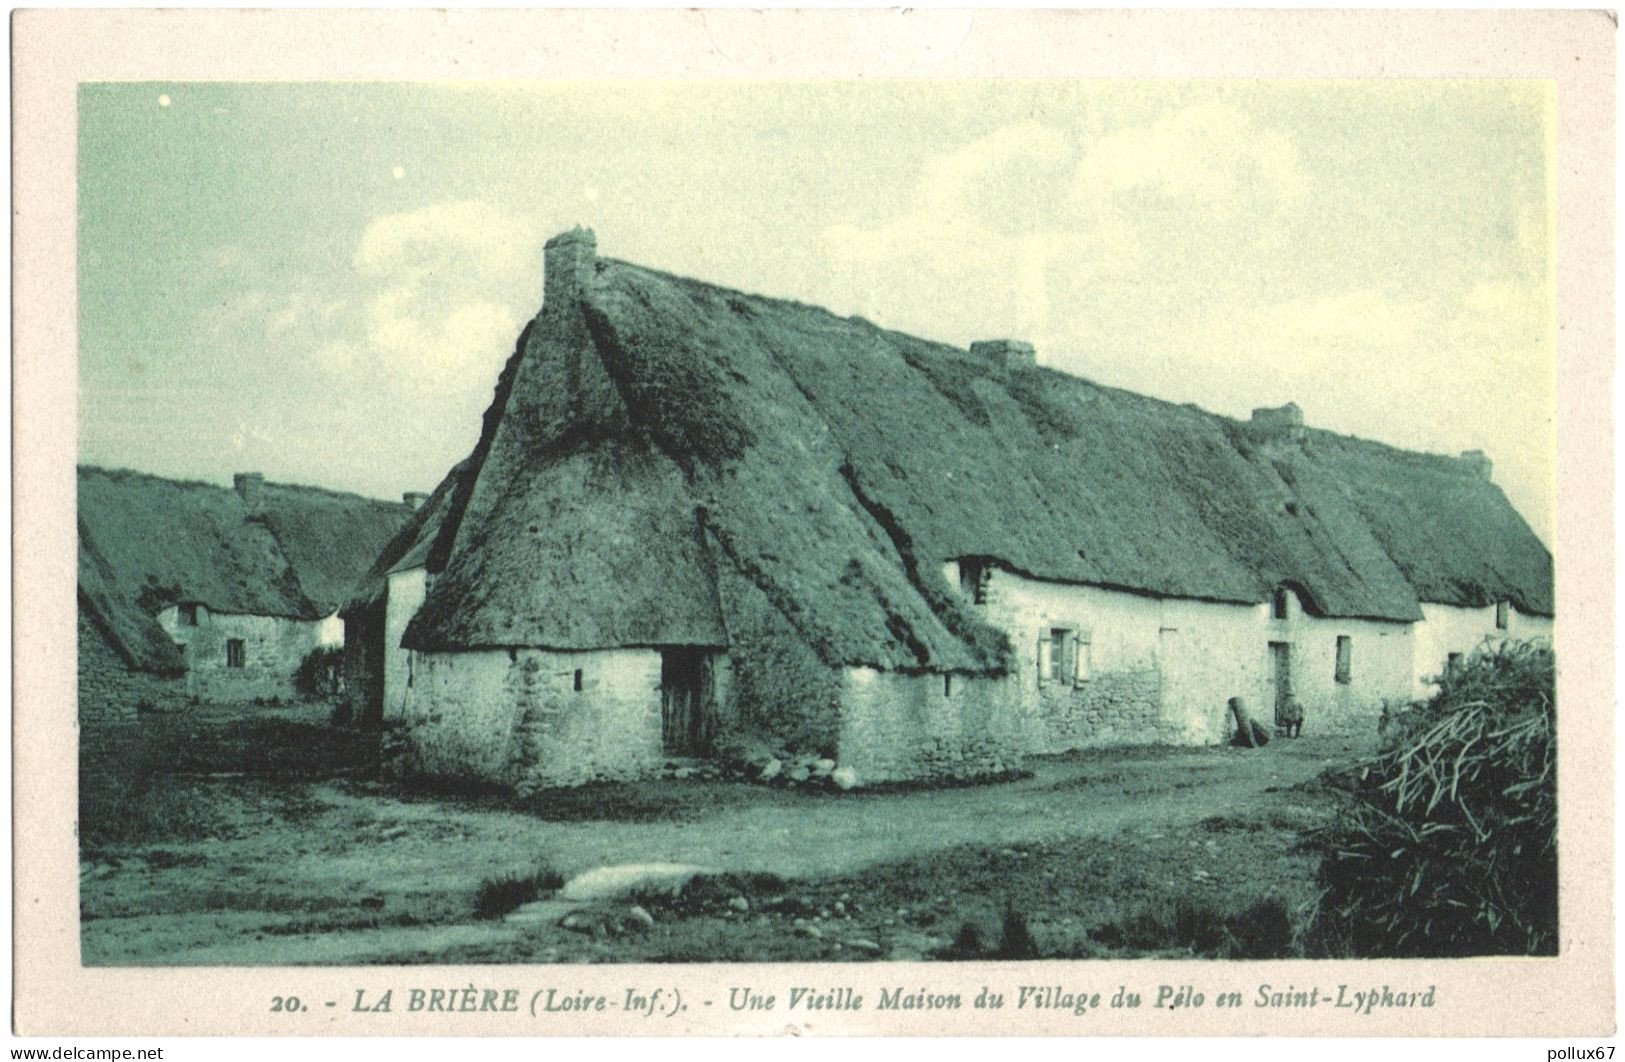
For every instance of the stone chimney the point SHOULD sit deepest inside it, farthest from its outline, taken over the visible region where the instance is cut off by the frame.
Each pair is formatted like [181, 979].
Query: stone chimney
[1278, 417]
[567, 261]
[1278, 423]
[249, 487]
[1477, 463]
[414, 499]
[1011, 355]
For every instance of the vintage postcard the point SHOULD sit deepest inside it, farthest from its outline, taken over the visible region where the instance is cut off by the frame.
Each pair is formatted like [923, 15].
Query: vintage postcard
[961, 522]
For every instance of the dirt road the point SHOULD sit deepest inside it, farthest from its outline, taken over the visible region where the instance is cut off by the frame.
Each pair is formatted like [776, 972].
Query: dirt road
[345, 871]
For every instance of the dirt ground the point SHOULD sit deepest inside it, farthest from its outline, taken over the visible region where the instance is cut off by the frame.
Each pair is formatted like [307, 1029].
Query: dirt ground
[259, 835]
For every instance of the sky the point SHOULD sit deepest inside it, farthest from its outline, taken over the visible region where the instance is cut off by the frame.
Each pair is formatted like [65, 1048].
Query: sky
[321, 282]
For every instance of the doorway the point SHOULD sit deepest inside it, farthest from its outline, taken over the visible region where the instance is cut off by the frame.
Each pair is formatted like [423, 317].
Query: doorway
[688, 722]
[1281, 677]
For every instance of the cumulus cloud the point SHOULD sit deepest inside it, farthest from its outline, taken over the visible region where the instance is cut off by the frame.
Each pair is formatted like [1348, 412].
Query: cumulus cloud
[448, 287]
[474, 237]
[1209, 154]
[436, 299]
[984, 220]
[1035, 222]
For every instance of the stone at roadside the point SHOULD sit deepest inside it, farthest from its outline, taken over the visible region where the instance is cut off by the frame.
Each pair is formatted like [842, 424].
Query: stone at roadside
[740, 904]
[581, 921]
[638, 918]
[771, 770]
[844, 777]
[865, 945]
[822, 767]
[800, 774]
[812, 932]
[534, 915]
[619, 882]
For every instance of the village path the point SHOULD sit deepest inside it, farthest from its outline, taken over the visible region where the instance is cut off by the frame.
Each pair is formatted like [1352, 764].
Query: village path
[813, 835]
[427, 853]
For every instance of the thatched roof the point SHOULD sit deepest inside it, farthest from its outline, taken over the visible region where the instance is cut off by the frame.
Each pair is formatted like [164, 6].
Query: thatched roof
[409, 547]
[837, 465]
[146, 543]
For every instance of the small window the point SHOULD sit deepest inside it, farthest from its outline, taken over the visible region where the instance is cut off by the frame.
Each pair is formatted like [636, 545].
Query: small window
[1280, 603]
[187, 615]
[1500, 615]
[1452, 665]
[576, 681]
[973, 578]
[234, 652]
[1345, 654]
[1063, 654]
[947, 685]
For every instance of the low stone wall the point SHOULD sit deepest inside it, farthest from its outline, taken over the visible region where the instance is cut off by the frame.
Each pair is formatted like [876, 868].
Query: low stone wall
[110, 691]
[1110, 709]
[905, 727]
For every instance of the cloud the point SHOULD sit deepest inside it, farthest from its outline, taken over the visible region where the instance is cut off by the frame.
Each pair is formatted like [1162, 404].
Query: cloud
[987, 221]
[1210, 155]
[476, 238]
[435, 301]
[446, 289]
[1024, 228]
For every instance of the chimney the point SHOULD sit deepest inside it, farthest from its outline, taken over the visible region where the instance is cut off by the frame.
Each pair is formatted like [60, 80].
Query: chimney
[1278, 422]
[1278, 417]
[567, 261]
[1009, 354]
[1477, 463]
[249, 485]
[414, 499]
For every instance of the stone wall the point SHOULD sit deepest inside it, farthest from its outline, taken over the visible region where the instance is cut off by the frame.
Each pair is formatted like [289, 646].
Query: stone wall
[112, 692]
[517, 718]
[1447, 629]
[1161, 670]
[897, 727]
[403, 597]
[273, 649]
[1379, 670]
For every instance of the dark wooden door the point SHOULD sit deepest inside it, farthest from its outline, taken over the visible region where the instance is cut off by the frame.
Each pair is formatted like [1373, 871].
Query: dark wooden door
[687, 711]
[1281, 671]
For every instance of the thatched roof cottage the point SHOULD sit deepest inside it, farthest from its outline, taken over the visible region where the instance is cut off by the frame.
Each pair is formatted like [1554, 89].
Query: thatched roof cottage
[188, 589]
[693, 511]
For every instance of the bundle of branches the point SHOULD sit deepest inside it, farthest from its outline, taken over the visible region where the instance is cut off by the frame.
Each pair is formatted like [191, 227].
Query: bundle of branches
[1450, 846]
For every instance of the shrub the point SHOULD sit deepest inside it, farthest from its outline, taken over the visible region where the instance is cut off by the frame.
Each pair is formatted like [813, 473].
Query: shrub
[1449, 847]
[318, 674]
[497, 897]
[1015, 939]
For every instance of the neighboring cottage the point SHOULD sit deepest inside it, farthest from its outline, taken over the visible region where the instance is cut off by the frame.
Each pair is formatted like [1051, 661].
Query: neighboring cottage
[693, 512]
[187, 589]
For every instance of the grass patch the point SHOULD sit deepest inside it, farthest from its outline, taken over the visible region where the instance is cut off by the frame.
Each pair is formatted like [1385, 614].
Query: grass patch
[1205, 928]
[176, 778]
